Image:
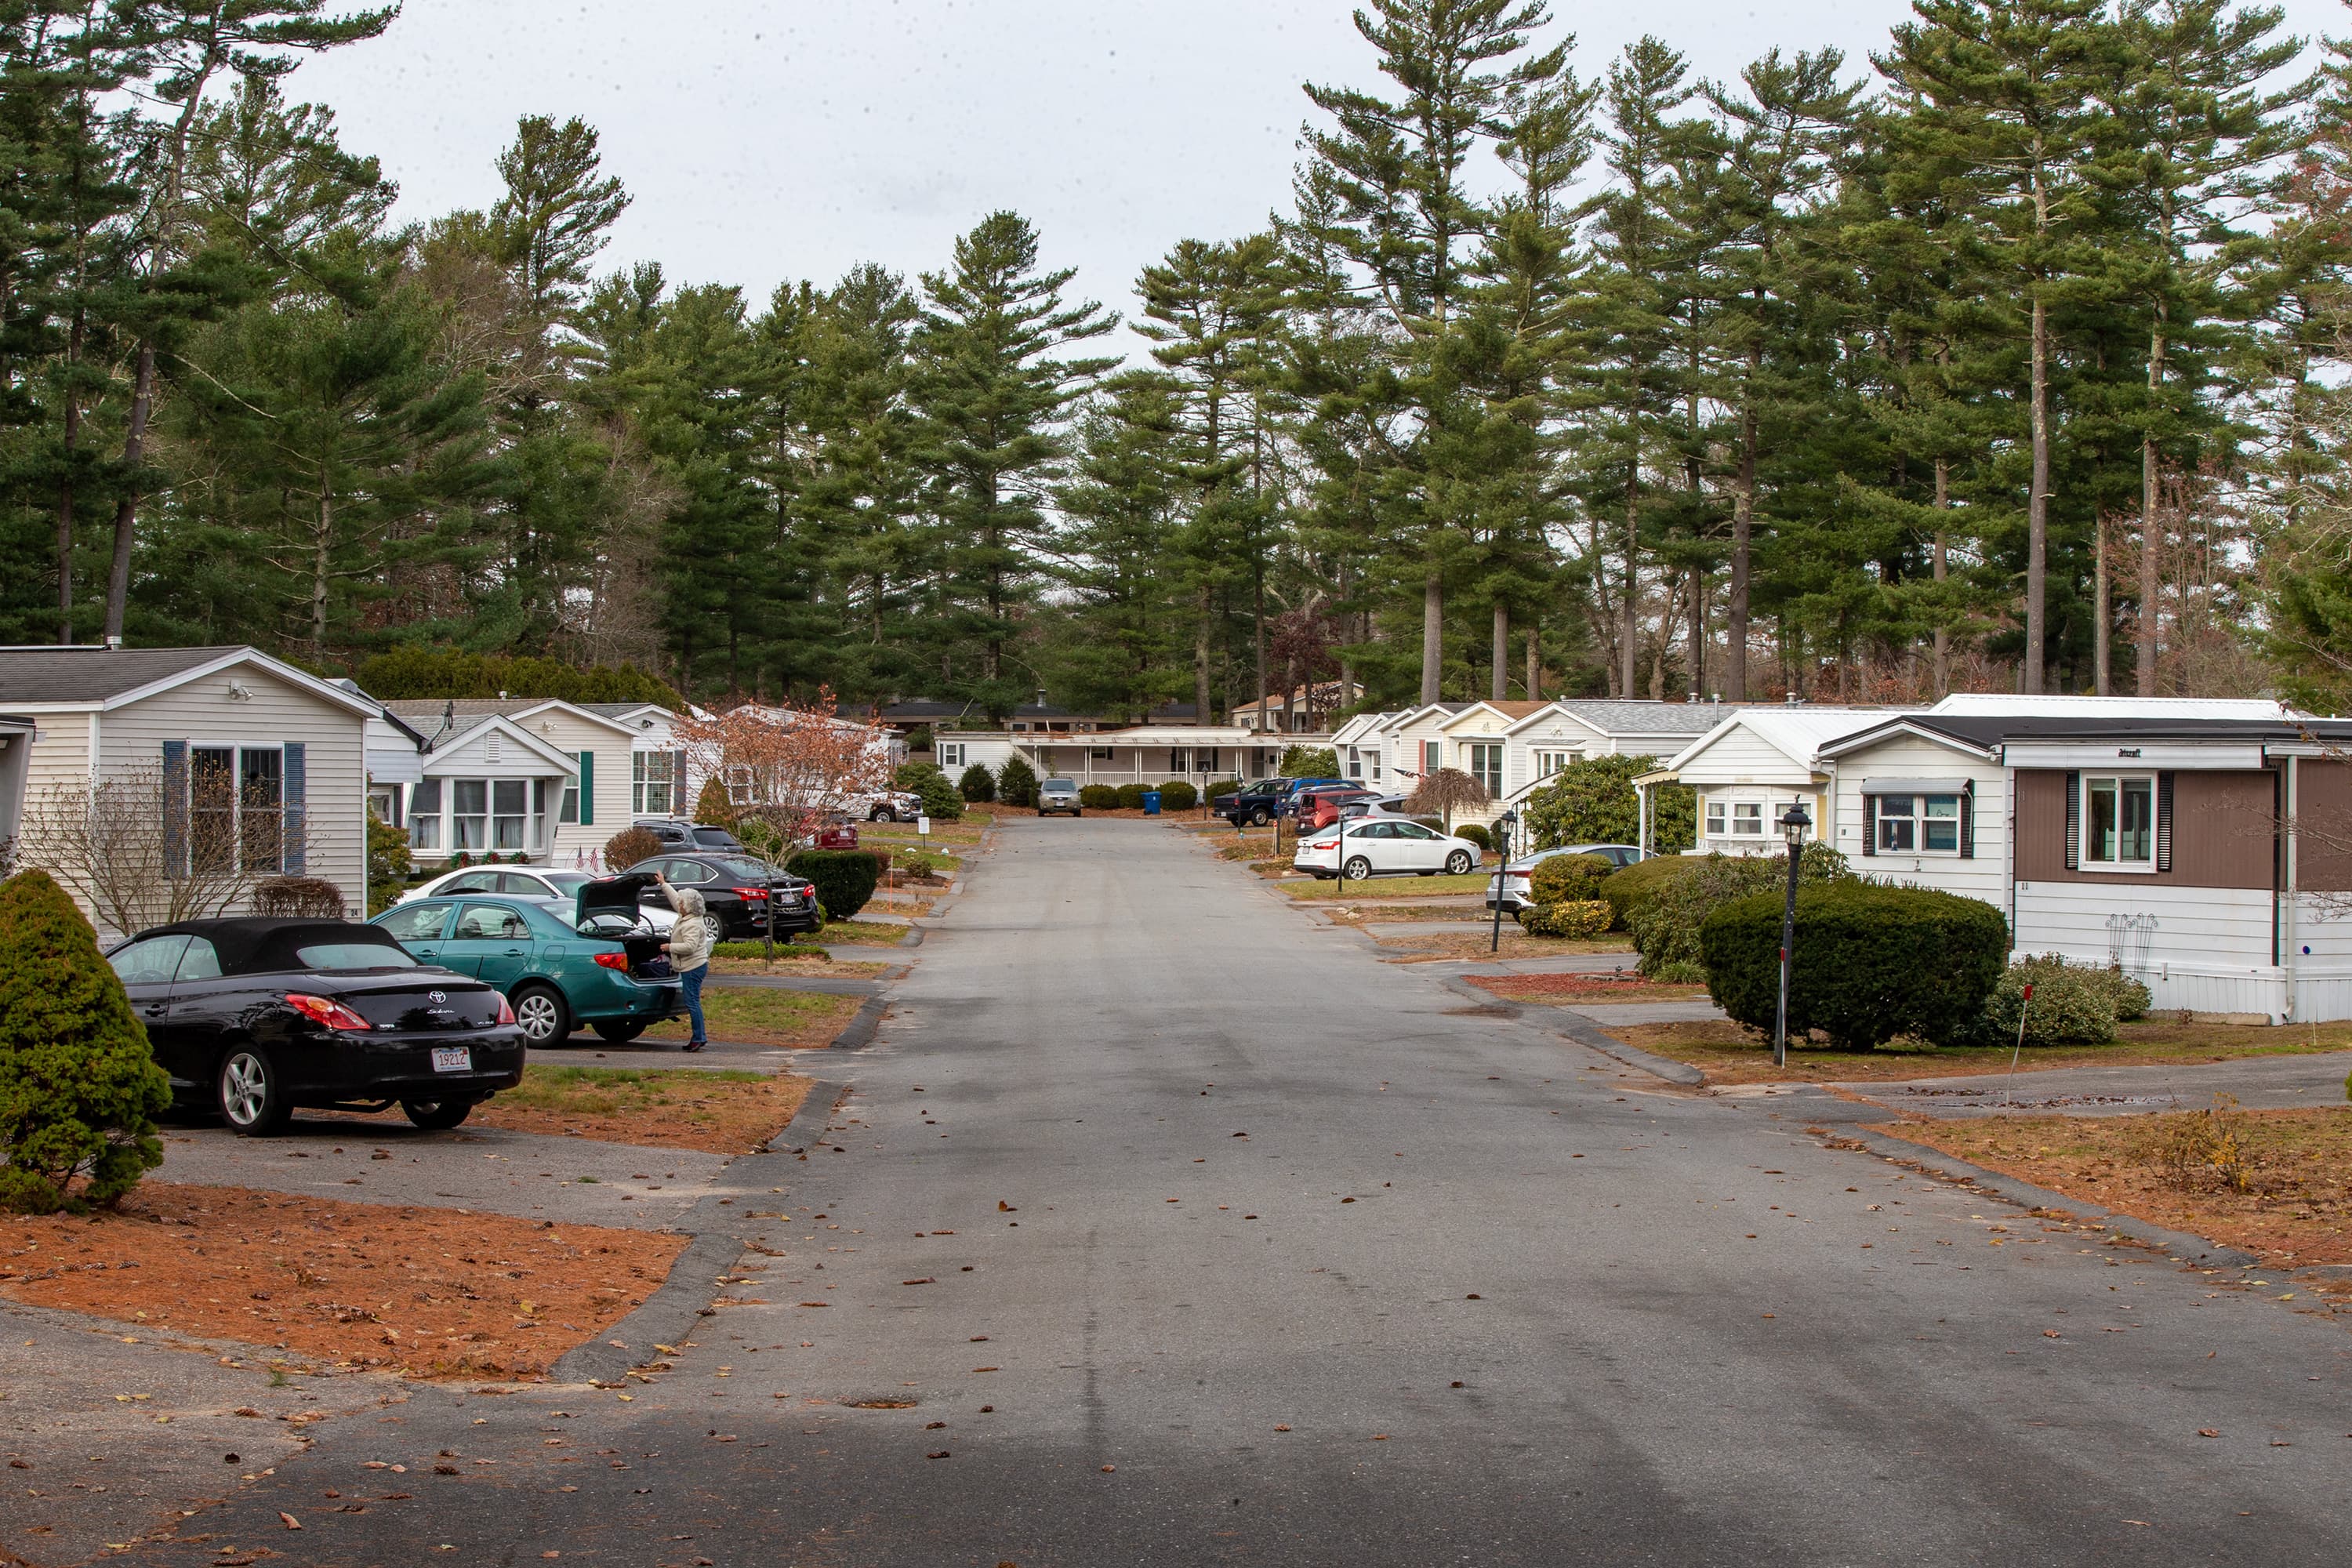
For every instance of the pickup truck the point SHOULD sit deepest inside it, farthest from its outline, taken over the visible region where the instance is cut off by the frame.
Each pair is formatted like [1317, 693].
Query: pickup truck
[1260, 801]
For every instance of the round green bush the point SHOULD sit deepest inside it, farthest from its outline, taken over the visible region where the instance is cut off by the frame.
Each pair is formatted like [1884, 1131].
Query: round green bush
[1570, 879]
[844, 878]
[1634, 886]
[1475, 834]
[1870, 962]
[977, 786]
[2073, 1003]
[1178, 795]
[1130, 796]
[1578, 918]
[1016, 783]
[1664, 925]
[1098, 797]
[79, 1089]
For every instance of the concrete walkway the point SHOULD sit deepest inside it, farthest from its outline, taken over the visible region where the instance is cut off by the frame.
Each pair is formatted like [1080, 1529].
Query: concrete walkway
[2262, 1083]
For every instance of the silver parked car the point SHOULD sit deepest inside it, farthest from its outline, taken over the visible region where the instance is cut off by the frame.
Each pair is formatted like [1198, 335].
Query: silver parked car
[1516, 877]
[1057, 795]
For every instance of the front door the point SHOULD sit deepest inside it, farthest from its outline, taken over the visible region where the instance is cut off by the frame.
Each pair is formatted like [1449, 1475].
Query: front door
[492, 940]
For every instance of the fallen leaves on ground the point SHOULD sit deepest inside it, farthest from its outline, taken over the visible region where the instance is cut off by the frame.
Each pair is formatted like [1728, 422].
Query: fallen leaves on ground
[427, 1293]
[1730, 1053]
[720, 1112]
[1573, 988]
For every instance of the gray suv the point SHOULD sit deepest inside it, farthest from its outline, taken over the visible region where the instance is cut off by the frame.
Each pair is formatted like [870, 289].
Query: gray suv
[1058, 794]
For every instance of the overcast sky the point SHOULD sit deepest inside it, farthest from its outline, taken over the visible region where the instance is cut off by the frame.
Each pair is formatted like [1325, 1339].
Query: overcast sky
[768, 141]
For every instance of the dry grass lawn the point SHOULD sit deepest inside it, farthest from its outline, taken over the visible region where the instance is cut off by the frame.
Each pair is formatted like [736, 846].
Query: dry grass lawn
[1393, 886]
[426, 1292]
[720, 1112]
[1730, 1054]
[800, 1020]
[1572, 990]
[2290, 1203]
[826, 968]
[1516, 943]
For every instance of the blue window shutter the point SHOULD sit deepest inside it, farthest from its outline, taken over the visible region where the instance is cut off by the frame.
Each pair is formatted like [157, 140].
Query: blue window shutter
[298, 815]
[587, 789]
[175, 808]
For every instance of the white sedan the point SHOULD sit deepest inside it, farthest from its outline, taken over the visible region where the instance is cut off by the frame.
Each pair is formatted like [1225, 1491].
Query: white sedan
[560, 888]
[1384, 847]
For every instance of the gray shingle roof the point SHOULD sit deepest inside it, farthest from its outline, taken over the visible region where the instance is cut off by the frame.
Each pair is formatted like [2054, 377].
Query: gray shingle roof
[1622, 716]
[91, 673]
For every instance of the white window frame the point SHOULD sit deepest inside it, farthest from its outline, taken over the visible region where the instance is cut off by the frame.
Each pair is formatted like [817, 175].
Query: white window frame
[741, 787]
[1355, 762]
[1552, 760]
[425, 828]
[650, 780]
[1482, 761]
[1904, 824]
[1718, 816]
[2115, 781]
[952, 754]
[1747, 812]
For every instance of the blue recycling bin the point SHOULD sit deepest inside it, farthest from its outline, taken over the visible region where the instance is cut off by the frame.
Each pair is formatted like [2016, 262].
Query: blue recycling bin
[1151, 802]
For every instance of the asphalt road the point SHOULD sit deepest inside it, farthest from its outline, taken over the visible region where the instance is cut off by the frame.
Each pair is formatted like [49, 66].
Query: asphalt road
[1182, 1231]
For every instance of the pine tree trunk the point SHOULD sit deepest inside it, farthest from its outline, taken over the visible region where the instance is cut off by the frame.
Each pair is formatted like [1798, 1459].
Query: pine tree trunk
[1698, 623]
[66, 492]
[1630, 647]
[2037, 507]
[1942, 634]
[2102, 596]
[1502, 686]
[1257, 626]
[1534, 669]
[2151, 529]
[1433, 635]
[322, 539]
[1201, 714]
[1743, 530]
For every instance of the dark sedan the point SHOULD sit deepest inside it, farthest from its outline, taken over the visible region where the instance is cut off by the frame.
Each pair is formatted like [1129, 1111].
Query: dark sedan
[253, 1017]
[738, 892]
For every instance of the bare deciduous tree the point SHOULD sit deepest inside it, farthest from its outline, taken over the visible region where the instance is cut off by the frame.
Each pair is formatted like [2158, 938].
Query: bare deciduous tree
[1446, 792]
[111, 846]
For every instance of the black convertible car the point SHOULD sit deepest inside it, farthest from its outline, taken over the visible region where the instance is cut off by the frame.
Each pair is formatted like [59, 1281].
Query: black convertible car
[253, 1017]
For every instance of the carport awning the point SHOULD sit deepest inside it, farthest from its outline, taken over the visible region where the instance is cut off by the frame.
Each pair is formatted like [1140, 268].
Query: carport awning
[1917, 786]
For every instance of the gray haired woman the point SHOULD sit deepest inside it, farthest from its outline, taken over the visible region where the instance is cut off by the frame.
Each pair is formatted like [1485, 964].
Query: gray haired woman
[690, 952]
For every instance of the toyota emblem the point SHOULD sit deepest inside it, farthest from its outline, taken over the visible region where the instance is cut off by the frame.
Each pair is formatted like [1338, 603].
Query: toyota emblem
[436, 997]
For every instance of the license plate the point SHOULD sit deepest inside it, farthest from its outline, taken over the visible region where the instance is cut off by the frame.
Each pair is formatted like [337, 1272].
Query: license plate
[453, 1058]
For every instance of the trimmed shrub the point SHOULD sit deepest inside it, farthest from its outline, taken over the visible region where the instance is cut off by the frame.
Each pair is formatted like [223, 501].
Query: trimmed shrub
[1570, 879]
[1222, 786]
[1870, 962]
[1634, 886]
[844, 878]
[977, 786]
[1577, 917]
[1594, 802]
[389, 863]
[1016, 783]
[1665, 926]
[927, 784]
[1098, 797]
[1475, 834]
[1130, 796]
[1309, 763]
[79, 1089]
[628, 847]
[298, 897]
[2073, 1003]
[714, 806]
[1178, 795]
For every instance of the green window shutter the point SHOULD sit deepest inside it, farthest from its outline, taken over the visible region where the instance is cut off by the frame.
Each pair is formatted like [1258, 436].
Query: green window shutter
[297, 778]
[587, 789]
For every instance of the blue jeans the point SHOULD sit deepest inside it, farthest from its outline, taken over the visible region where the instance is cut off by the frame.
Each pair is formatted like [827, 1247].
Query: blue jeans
[691, 984]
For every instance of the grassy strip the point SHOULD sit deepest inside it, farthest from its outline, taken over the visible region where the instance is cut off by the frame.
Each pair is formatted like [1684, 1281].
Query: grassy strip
[1728, 1053]
[803, 1020]
[784, 950]
[1575, 990]
[2281, 1192]
[1394, 886]
[1516, 943]
[868, 933]
[831, 969]
[720, 1112]
[426, 1292]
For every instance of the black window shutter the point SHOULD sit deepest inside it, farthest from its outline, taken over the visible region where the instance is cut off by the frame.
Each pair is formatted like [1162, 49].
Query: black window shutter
[2074, 822]
[1870, 825]
[1968, 824]
[2164, 822]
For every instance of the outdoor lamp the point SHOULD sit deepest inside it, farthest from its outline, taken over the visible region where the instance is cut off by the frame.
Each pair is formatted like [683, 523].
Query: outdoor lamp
[1503, 825]
[1793, 822]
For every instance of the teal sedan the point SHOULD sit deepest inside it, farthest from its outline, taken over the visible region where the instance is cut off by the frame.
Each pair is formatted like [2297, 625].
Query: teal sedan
[556, 978]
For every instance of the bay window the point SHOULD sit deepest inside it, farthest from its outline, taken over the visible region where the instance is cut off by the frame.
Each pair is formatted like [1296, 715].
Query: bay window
[1716, 809]
[1747, 818]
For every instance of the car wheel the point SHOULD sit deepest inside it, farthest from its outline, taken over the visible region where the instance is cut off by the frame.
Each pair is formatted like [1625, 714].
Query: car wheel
[717, 930]
[436, 1115]
[619, 1031]
[252, 1101]
[1259, 818]
[1458, 863]
[1359, 870]
[545, 1019]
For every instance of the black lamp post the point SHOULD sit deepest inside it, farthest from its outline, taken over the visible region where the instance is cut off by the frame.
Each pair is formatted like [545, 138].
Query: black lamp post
[1793, 823]
[1503, 825]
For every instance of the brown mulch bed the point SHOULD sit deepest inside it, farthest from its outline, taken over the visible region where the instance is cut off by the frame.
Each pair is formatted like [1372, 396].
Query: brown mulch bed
[2298, 1211]
[426, 1292]
[1567, 990]
[1729, 1053]
[680, 1107]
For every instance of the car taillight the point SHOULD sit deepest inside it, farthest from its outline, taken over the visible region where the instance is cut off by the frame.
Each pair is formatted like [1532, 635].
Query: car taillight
[755, 892]
[506, 1010]
[1324, 844]
[619, 960]
[325, 1011]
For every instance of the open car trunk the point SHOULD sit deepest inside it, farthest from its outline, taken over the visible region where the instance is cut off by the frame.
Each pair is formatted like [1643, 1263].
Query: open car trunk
[608, 909]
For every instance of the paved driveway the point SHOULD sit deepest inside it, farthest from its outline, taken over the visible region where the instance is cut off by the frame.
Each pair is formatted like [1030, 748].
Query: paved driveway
[1170, 1228]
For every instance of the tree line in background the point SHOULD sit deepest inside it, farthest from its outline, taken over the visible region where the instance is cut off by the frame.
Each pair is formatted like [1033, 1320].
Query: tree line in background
[2015, 361]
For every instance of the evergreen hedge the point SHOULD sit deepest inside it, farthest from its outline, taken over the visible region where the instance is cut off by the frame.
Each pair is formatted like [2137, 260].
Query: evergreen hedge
[1869, 963]
[977, 786]
[79, 1089]
[2073, 1003]
[1575, 917]
[1098, 797]
[1016, 783]
[844, 878]
[1178, 795]
[1475, 834]
[1570, 879]
[1637, 885]
[929, 784]
[1130, 796]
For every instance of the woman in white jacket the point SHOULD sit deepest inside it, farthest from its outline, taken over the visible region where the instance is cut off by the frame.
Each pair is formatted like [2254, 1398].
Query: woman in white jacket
[690, 952]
